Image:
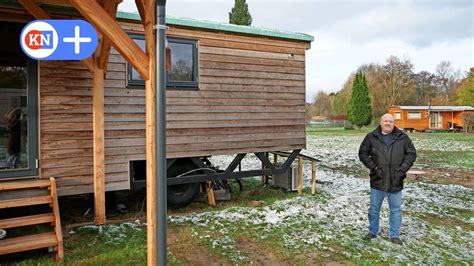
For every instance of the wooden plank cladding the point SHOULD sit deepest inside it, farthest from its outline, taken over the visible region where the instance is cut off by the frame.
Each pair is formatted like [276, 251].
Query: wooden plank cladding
[250, 98]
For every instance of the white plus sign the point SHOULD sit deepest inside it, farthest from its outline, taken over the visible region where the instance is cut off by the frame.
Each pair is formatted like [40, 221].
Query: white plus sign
[77, 39]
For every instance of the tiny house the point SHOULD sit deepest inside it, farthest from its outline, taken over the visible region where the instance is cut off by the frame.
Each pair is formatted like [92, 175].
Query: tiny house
[423, 118]
[230, 90]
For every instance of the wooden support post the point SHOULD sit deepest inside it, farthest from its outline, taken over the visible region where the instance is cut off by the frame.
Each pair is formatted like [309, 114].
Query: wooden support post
[150, 100]
[109, 28]
[210, 194]
[313, 177]
[300, 175]
[275, 159]
[265, 177]
[98, 144]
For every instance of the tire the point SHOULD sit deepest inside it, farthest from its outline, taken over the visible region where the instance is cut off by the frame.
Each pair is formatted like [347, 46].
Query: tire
[181, 195]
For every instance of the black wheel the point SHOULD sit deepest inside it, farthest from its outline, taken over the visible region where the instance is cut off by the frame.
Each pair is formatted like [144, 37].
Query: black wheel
[181, 195]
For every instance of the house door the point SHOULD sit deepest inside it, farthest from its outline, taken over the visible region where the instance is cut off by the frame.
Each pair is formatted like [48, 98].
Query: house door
[436, 120]
[18, 106]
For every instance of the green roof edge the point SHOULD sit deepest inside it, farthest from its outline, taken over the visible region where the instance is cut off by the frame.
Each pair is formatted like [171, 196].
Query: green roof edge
[194, 23]
[204, 24]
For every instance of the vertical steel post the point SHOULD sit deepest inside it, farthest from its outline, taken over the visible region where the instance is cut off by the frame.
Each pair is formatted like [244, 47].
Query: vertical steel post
[161, 234]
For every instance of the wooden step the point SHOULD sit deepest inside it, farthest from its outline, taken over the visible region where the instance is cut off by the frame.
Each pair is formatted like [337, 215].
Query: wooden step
[25, 202]
[23, 243]
[24, 184]
[27, 220]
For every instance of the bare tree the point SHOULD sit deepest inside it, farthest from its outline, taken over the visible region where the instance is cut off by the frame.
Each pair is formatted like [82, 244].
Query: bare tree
[322, 104]
[447, 79]
[424, 87]
[397, 79]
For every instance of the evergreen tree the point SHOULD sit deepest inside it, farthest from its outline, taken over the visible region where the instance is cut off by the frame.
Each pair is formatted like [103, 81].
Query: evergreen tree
[360, 110]
[465, 91]
[240, 14]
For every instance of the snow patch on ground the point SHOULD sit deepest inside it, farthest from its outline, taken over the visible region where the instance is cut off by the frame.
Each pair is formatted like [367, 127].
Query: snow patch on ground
[113, 234]
[335, 222]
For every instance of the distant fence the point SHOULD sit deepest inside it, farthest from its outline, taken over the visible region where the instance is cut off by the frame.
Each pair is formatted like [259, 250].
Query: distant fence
[329, 123]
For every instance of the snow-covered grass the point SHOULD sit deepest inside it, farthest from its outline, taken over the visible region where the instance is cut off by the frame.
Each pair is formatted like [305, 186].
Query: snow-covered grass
[333, 223]
[339, 149]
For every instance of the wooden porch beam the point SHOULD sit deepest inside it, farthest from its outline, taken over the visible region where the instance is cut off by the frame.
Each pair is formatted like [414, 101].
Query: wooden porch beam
[109, 28]
[98, 143]
[39, 13]
[89, 63]
[34, 9]
[141, 10]
[104, 48]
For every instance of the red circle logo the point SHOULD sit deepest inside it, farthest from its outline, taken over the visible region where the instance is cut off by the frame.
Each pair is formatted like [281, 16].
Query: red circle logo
[33, 39]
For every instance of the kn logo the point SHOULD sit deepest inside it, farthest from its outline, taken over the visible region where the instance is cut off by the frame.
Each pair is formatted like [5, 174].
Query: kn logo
[58, 39]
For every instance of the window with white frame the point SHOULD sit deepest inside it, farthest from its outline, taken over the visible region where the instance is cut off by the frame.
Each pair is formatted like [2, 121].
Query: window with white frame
[397, 115]
[414, 115]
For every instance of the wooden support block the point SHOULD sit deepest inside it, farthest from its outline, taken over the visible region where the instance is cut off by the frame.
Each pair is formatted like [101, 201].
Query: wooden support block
[210, 194]
[313, 177]
[300, 176]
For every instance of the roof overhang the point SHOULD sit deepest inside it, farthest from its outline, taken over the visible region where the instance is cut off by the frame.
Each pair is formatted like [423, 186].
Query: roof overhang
[65, 7]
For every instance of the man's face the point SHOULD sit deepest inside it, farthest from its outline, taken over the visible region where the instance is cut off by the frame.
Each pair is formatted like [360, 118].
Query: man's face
[387, 123]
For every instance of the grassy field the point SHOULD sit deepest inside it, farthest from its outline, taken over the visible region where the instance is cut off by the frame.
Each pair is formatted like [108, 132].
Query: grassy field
[438, 222]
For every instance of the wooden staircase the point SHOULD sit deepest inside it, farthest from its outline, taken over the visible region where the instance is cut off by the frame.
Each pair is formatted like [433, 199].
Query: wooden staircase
[53, 239]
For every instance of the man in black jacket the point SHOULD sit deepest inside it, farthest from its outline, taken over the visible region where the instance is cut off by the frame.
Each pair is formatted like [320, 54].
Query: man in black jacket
[388, 153]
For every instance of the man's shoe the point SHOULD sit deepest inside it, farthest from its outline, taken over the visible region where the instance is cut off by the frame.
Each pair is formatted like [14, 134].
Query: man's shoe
[369, 236]
[396, 240]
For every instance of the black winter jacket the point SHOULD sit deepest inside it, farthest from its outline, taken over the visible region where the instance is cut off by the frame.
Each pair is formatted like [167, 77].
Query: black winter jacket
[388, 164]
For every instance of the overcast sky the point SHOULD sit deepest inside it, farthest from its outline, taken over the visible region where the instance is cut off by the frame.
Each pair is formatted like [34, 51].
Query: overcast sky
[349, 33]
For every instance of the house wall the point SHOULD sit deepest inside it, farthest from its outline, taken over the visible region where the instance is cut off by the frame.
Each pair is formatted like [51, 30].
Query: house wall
[251, 98]
[423, 123]
[455, 117]
[404, 122]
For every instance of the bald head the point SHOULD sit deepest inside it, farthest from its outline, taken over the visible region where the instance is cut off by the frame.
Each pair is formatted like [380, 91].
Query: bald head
[387, 123]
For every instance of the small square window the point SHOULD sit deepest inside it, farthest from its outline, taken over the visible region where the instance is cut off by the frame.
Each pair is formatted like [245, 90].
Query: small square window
[397, 115]
[184, 68]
